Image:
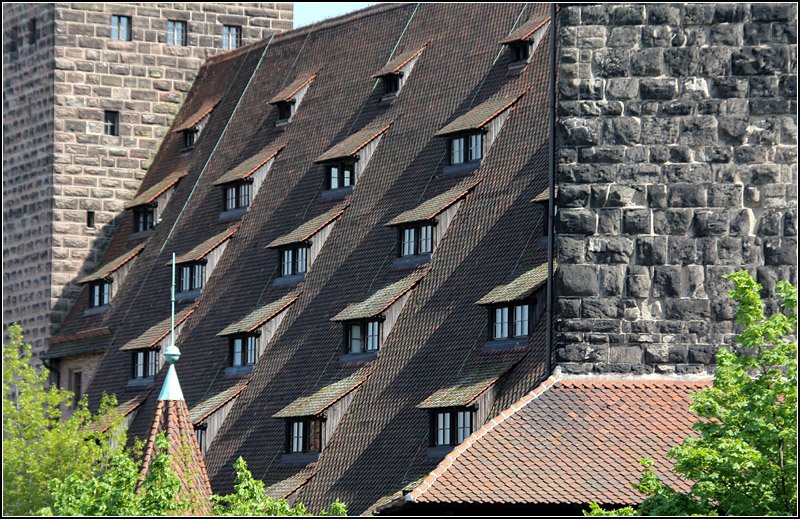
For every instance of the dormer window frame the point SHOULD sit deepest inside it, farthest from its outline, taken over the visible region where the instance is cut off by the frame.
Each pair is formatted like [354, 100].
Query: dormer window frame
[189, 138]
[450, 426]
[237, 195]
[190, 276]
[521, 52]
[293, 260]
[100, 293]
[509, 321]
[392, 83]
[368, 336]
[243, 349]
[466, 146]
[144, 217]
[344, 171]
[304, 435]
[416, 239]
[145, 363]
[285, 111]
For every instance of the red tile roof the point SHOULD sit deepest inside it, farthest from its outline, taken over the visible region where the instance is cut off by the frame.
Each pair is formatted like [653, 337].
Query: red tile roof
[204, 249]
[146, 196]
[351, 145]
[479, 116]
[288, 93]
[526, 30]
[574, 441]
[191, 120]
[398, 62]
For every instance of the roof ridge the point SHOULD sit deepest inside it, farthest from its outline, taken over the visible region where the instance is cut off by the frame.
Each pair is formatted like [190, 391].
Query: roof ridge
[338, 20]
[451, 457]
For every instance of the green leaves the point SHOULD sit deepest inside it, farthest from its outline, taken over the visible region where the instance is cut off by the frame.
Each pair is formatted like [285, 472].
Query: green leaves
[745, 459]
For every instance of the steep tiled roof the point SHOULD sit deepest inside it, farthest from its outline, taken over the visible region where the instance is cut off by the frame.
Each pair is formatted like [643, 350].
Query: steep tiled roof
[467, 388]
[79, 336]
[201, 411]
[284, 488]
[154, 191]
[76, 347]
[110, 267]
[479, 116]
[124, 409]
[323, 398]
[288, 93]
[428, 209]
[201, 251]
[574, 441]
[191, 120]
[308, 229]
[526, 30]
[520, 288]
[259, 316]
[250, 165]
[351, 145]
[399, 62]
[380, 300]
[156, 333]
[544, 196]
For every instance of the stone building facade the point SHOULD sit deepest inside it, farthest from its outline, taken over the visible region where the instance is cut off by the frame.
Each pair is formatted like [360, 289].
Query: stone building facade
[678, 164]
[65, 180]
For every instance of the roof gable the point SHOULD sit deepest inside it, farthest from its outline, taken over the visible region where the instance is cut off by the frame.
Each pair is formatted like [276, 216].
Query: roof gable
[205, 248]
[524, 285]
[479, 116]
[158, 332]
[202, 410]
[398, 62]
[150, 194]
[525, 31]
[191, 120]
[113, 265]
[288, 93]
[429, 209]
[245, 169]
[308, 229]
[323, 398]
[382, 299]
[259, 316]
[468, 387]
[351, 145]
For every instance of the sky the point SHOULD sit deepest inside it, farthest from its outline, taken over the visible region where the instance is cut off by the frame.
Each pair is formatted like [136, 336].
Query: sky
[306, 13]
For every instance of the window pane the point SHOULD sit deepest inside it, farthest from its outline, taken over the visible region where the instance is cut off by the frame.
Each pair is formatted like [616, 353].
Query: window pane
[252, 347]
[106, 297]
[244, 195]
[476, 147]
[115, 27]
[301, 259]
[443, 429]
[501, 323]
[457, 150]
[286, 267]
[230, 198]
[355, 338]
[139, 364]
[152, 363]
[199, 271]
[408, 241]
[334, 177]
[124, 28]
[237, 352]
[520, 321]
[425, 239]
[185, 279]
[347, 175]
[373, 335]
[297, 436]
[464, 425]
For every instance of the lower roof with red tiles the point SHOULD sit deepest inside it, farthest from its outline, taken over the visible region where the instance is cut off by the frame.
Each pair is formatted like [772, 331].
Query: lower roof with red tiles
[571, 441]
[380, 444]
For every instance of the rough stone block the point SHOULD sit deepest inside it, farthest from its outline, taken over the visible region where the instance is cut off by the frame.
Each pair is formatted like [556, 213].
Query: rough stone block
[687, 195]
[636, 221]
[651, 250]
[576, 221]
[659, 89]
[710, 222]
[672, 221]
[688, 309]
[577, 280]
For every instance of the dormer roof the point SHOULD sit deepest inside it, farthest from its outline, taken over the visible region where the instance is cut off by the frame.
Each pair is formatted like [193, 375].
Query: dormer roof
[316, 403]
[525, 31]
[379, 301]
[521, 287]
[429, 209]
[308, 229]
[158, 332]
[113, 265]
[288, 93]
[201, 251]
[205, 108]
[351, 145]
[479, 116]
[150, 194]
[259, 316]
[250, 165]
[396, 64]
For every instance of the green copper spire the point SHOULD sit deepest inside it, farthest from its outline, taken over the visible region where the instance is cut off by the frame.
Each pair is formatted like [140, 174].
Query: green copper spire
[171, 390]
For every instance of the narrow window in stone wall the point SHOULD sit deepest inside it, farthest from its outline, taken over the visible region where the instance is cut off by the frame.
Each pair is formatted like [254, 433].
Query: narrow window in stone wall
[77, 387]
[231, 37]
[111, 123]
[121, 28]
[176, 33]
[90, 219]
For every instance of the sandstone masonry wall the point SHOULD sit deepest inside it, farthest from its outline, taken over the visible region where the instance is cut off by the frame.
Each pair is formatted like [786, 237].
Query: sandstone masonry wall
[678, 164]
[74, 73]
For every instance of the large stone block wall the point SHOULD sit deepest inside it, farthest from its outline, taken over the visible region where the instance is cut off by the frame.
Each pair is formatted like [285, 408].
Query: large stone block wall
[678, 164]
[27, 167]
[145, 80]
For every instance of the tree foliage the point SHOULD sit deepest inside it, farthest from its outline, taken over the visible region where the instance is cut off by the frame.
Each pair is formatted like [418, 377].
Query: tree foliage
[745, 460]
[38, 445]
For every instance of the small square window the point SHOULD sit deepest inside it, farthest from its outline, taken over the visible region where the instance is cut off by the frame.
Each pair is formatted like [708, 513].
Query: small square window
[99, 293]
[176, 33]
[189, 137]
[521, 51]
[237, 195]
[510, 322]
[363, 336]
[231, 37]
[466, 148]
[121, 28]
[451, 427]
[294, 260]
[145, 363]
[303, 435]
[244, 350]
[33, 31]
[416, 239]
[191, 276]
[285, 110]
[391, 84]
[340, 175]
[111, 123]
[143, 218]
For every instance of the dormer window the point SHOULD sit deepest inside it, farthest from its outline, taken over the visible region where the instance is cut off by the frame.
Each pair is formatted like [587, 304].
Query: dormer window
[144, 218]
[244, 350]
[145, 364]
[237, 195]
[345, 161]
[294, 260]
[395, 73]
[417, 239]
[471, 135]
[192, 124]
[340, 174]
[303, 436]
[99, 294]
[189, 137]
[288, 100]
[451, 427]
[364, 336]
[190, 276]
[466, 148]
[510, 322]
[521, 52]
[524, 40]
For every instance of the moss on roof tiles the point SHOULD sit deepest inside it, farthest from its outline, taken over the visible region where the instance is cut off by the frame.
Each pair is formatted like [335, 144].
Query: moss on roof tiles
[351, 145]
[288, 93]
[205, 108]
[157, 332]
[468, 387]
[520, 288]
[113, 265]
[202, 250]
[250, 165]
[309, 228]
[286, 487]
[428, 209]
[479, 116]
[399, 62]
[526, 30]
[154, 191]
[201, 411]
[323, 398]
[382, 299]
[259, 316]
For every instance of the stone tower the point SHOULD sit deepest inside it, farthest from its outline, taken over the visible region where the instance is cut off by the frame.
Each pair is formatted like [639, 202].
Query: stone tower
[88, 92]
